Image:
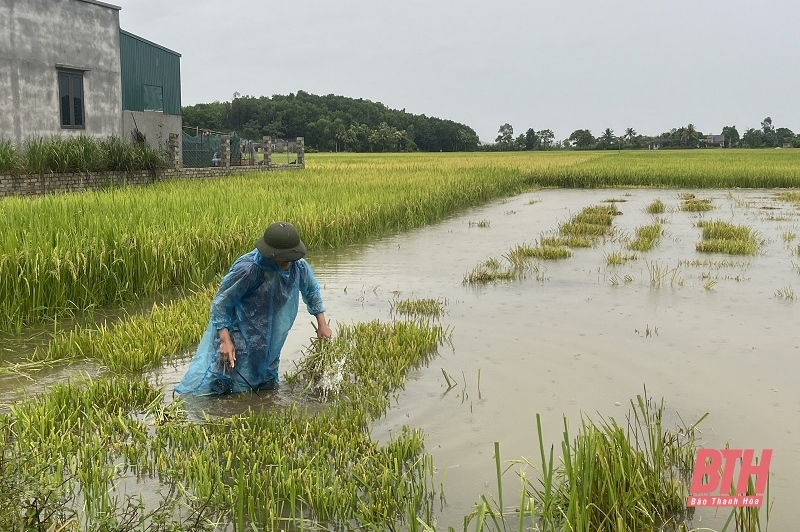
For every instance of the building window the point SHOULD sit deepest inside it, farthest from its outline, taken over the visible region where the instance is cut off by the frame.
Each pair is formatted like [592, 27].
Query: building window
[153, 98]
[70, 95]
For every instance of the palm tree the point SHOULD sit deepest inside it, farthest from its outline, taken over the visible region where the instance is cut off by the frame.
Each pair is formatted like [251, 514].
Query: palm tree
[608, 135]
[692, 136]
[630, 133]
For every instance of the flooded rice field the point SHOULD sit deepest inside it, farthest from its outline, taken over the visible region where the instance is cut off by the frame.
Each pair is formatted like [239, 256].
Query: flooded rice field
[708, 332]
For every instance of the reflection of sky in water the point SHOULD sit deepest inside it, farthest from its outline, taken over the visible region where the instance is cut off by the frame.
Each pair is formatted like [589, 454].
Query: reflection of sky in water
[572, 340]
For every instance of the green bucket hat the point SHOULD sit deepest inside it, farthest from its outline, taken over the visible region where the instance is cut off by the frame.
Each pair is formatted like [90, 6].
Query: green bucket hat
[281, 242]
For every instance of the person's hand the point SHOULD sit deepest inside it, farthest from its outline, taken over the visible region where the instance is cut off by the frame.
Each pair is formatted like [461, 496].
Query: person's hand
[227, 351]
[324, 331]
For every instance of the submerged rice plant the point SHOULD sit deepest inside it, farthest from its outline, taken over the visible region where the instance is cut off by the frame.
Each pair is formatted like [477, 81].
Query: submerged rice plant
[429, 307]
[656, 207]
[491, 271]
[518, 254]
[69, 454]
[629, 476]
[725, 237]
[646, 237]
[591, 223]
[616, 258]
[690, 203]
[572, 241]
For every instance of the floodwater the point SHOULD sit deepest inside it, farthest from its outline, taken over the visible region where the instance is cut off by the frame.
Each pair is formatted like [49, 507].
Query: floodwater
[579, 336]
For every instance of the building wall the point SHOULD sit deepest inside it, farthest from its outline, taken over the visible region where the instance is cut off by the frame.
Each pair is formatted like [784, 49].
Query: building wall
[38, 35]
[147, 66]
[33, 185]
[155, 126]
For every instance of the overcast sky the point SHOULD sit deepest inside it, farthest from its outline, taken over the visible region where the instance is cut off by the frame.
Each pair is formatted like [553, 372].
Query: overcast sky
[563, 65]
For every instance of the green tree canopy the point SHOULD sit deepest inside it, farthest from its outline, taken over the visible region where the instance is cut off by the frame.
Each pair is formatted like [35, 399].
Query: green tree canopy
[331, 123]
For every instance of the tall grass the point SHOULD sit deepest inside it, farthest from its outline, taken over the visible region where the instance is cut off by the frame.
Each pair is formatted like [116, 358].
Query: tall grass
[78, 154]
[9, 159]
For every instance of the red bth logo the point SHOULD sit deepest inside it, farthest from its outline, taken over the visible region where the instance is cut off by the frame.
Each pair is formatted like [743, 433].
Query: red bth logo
[713, 478]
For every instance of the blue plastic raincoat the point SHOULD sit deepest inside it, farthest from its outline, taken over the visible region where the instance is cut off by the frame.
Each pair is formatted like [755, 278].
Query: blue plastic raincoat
[257, 302]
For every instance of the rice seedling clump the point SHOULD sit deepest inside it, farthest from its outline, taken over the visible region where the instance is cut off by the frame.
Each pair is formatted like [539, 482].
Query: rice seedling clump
[519, 253]
[616, 258]
[591, 223]
[492, 271]
[656, 207]
[646, 237]
[690, 203]
[725, 237]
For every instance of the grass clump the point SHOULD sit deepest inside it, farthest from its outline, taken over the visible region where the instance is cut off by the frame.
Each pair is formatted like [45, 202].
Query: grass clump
[656, 207]
[646, 237]
[9, 159]
[725, 237]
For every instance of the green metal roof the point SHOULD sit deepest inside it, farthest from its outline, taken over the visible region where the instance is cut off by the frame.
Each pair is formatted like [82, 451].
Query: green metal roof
[151, 75]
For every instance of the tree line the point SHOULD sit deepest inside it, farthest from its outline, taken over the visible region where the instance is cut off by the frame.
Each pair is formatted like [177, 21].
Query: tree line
[331, 123]
[766, 136]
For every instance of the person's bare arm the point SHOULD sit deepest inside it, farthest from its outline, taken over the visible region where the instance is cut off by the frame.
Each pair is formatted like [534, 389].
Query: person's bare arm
[323, 329]
[226, 348]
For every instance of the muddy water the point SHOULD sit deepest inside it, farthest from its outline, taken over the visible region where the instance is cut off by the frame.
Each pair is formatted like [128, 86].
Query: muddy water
[580, 336]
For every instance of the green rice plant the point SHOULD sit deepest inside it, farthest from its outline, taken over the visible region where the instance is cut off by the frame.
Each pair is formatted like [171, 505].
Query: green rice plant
[9, 159]
[656, 207]
[280, 468]
[625, 476]
[591, 223]
[693, 204]
[616, 258]
[481, 223]
[572, 241]
[520, 253]
[788, 236]
[714, 263]
[793, 196]
[724, 237]
[138, 342]
[107, 248]
[492, 271]
[661, 274]
[646, 237]
[429, 307]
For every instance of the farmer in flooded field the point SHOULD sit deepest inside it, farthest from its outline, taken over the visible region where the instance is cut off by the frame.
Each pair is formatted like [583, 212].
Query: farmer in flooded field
[251, 314]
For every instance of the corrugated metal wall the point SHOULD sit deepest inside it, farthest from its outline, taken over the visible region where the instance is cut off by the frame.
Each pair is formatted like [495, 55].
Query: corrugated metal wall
[146, 65]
